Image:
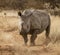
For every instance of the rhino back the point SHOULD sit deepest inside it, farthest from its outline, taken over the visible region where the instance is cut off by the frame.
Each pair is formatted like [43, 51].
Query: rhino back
[39, 20]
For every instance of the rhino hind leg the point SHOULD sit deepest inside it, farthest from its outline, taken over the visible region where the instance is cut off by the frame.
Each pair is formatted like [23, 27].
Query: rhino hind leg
[47, 31]
[47, 35]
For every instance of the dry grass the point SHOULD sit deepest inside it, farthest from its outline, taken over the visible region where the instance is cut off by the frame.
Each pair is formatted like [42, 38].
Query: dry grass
[55, 28]
[9, 35]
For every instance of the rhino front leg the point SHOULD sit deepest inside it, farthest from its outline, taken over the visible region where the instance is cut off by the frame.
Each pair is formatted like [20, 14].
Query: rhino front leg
[25, 39]
[33, 37]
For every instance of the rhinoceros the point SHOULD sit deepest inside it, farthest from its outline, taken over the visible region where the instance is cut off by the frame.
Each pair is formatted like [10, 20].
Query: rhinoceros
[34, 22]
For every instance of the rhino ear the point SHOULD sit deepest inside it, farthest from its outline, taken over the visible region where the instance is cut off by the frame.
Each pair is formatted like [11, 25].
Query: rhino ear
[19, 13]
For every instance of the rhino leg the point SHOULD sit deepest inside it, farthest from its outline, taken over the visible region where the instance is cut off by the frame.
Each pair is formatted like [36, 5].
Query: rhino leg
[25, 39]
[47, 35]
[33, 37]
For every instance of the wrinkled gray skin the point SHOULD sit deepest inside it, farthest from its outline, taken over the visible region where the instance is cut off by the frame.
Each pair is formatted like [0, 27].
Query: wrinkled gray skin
[34, 22]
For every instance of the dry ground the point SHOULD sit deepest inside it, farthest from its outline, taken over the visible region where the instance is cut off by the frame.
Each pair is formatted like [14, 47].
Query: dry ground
[9, 35]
